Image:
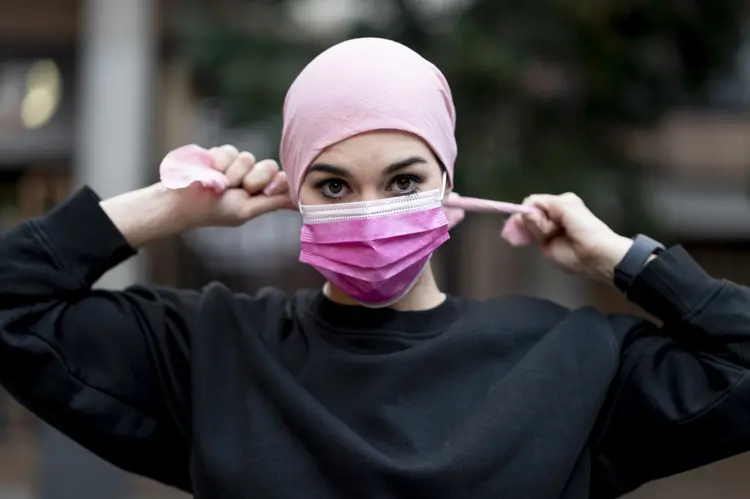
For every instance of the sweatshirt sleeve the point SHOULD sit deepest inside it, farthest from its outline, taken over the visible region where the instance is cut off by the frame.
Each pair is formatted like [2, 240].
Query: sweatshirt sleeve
[681, 398]
[108, 369]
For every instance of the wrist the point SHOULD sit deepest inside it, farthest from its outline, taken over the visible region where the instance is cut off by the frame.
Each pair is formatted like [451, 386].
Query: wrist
[609, 256]
[146, 215]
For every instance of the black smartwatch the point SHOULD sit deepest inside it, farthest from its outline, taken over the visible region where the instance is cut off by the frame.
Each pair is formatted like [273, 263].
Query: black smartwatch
[634, 261]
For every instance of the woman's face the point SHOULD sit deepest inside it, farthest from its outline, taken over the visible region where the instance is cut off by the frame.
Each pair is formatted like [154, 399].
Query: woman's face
[370, 166]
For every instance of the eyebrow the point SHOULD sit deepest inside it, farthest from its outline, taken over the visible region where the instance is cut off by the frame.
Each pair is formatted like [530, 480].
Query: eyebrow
[404, 163]
[391, 169]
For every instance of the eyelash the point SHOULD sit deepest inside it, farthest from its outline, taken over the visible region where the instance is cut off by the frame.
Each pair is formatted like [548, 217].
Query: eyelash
[415, 179]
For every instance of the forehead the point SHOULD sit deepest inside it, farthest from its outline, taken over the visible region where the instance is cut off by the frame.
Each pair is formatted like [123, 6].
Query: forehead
[374, 149]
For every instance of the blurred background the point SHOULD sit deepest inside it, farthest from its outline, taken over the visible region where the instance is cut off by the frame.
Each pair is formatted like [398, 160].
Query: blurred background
[641, 107]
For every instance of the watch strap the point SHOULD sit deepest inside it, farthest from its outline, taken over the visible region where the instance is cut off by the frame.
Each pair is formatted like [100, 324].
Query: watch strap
[634, 260]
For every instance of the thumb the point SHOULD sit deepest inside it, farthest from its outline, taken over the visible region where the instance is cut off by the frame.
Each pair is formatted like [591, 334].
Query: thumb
[557, 208]
[261, 204]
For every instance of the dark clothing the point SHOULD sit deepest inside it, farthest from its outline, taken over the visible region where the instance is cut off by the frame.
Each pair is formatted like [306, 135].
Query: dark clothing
[235, 396]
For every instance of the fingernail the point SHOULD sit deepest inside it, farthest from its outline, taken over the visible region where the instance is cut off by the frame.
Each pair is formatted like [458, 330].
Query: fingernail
[271, 188]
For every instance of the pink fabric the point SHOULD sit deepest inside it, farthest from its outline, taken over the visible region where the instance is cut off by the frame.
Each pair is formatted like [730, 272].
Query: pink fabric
[402, 224]
[513, 232]
[374, 260]
[359, 86]
[188, 164]
[345, 259]
[376, 294]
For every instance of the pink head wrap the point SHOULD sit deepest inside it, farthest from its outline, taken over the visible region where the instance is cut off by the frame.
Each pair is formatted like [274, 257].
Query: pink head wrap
[359, 86]
[364, 85]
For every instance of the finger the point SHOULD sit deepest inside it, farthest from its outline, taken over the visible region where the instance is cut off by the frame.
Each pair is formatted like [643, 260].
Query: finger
[259, 205]
[279, 185]
[260, 176]
[531, 227]
[542, 227]
[239, 168]
[223, 157]
[541, 224]
[555, 207]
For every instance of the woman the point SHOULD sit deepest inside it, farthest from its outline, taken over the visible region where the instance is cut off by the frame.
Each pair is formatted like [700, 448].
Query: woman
[379, 385]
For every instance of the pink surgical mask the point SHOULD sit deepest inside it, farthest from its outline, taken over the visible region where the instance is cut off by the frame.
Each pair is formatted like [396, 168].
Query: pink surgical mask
[374, 251]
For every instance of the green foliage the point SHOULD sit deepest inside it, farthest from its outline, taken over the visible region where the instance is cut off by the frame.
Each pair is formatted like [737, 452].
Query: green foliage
[541, 86]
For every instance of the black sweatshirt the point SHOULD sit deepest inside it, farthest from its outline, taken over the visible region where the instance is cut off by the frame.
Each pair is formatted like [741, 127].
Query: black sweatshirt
[234, 396]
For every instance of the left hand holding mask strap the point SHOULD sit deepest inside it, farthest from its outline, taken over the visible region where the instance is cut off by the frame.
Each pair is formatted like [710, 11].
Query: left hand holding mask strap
[189, 164]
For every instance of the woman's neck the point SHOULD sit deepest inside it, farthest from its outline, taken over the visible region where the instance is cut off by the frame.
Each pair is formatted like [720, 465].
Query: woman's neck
[424, 295]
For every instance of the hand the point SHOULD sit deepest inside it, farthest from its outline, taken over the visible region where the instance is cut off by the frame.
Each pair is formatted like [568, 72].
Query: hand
[573, 238]
[255, 188]
[152, 213]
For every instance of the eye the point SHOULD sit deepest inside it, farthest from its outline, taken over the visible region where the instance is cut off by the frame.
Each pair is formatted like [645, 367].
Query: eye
[333, 188]
[405, 184]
